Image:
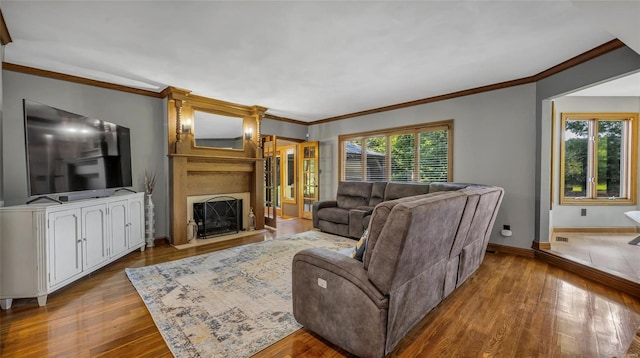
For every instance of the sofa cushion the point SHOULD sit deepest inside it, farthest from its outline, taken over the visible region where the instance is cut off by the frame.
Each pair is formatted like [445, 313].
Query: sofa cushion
[378, 219]
[402, 190]
[353, 194]
[433, 187]
[336, 215]
[337, 229]
[419, 234]
[377, 193]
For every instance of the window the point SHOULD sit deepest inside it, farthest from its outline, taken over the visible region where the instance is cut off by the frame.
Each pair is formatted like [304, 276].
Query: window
[598, 159]
[421, 153]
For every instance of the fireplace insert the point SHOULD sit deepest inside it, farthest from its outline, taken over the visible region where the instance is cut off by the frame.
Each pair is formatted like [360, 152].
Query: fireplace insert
[218, 216]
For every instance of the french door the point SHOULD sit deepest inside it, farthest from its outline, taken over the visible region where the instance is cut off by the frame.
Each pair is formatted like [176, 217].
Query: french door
[308, 174]
[270, 180]
[306, 178]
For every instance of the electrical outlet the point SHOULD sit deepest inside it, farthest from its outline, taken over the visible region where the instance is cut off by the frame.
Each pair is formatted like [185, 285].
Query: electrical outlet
[583, 212]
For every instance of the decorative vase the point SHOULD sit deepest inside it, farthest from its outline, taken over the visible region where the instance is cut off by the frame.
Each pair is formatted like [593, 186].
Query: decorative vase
[149, 229]
[192, 230]
[252, 220]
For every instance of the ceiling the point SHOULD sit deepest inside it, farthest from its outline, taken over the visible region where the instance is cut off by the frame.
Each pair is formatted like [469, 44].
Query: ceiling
[626, 86]
[307, 60]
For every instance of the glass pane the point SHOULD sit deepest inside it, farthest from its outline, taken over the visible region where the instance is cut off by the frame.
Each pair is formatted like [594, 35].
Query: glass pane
[402, 157]
[353, 159]
[434, 156]
[289, 174]
[309, 188]
[576, 153]
[376, 158]
[610, 154]
[276, 189]
[308, 204]
[268, 184]
[309, 152]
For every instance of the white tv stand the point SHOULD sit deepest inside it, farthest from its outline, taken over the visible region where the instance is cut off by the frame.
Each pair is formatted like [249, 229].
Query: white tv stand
[46, 246]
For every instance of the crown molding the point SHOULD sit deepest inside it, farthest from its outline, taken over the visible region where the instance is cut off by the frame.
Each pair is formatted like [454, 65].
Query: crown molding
[285, 119]
[69, 78]
[178, 93]
[584, 57]
[589, 55]
[5, 37]
[418, 102]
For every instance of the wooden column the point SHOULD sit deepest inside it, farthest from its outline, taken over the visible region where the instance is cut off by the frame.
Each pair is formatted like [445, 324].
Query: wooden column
[257, 195]
[178, 182]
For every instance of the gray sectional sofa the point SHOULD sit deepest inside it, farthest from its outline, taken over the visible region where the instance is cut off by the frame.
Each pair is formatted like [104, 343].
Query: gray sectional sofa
[419, 249]
[350, 213]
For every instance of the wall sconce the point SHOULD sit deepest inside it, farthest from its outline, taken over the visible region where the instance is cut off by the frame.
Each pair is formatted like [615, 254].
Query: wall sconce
[186, 126]
[248, 133]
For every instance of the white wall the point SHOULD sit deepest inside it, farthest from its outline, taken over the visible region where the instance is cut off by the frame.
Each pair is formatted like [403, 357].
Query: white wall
[143, 115]
[494, 143]
[597, 216]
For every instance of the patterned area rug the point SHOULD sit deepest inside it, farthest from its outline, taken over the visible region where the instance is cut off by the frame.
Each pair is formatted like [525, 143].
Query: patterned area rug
[634, 348]
[229, 303]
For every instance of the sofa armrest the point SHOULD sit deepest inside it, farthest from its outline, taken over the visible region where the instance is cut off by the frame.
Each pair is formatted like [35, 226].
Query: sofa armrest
[340, 265]
[320, 205]
[368, 209]
[333, 297]
[356, 217]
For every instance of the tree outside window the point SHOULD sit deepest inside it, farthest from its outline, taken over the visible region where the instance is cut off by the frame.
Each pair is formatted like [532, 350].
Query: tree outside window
[598, 158]
[403, 154]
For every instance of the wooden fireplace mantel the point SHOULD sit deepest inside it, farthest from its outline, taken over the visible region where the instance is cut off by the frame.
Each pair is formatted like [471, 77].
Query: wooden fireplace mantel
[211, 171]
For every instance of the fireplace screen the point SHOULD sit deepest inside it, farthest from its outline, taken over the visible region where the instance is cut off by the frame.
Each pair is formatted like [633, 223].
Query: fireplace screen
[218, 216]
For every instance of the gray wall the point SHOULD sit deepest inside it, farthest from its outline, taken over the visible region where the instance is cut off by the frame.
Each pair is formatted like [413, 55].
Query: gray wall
[608, 66]
[501, 137]
[142, 114]
[494, 143]
[597, 215]
[1, 130]
[283, 129]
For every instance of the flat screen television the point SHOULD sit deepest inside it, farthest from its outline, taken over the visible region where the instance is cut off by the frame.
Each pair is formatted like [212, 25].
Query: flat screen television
[68, 153]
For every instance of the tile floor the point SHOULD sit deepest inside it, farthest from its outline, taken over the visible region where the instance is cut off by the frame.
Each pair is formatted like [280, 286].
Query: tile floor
[610, 252]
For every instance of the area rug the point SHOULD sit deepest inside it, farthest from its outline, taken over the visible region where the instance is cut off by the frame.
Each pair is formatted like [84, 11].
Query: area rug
[634, 348]
[229, 303]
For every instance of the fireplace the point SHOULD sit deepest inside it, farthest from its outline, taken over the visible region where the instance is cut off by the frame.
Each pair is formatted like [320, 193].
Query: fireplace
[218, 216]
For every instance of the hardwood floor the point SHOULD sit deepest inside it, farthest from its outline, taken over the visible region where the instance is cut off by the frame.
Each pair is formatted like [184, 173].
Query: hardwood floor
[513, 306]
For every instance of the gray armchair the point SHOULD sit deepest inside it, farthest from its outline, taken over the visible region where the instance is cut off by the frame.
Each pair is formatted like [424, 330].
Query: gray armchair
[333, 215]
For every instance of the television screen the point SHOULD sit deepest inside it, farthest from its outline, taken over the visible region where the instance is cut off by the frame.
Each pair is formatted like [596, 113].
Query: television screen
[68, 152]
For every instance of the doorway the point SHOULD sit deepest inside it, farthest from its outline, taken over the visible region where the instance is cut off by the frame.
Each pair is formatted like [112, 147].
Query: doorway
[586, 218]
[290, 178]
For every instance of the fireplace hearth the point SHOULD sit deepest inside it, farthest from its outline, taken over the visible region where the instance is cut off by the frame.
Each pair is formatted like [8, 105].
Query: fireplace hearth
[218, 216]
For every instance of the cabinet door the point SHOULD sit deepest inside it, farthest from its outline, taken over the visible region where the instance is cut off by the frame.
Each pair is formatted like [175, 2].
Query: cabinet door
[118, 224]
[136, 222]
[65, 245]
[94, 235]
